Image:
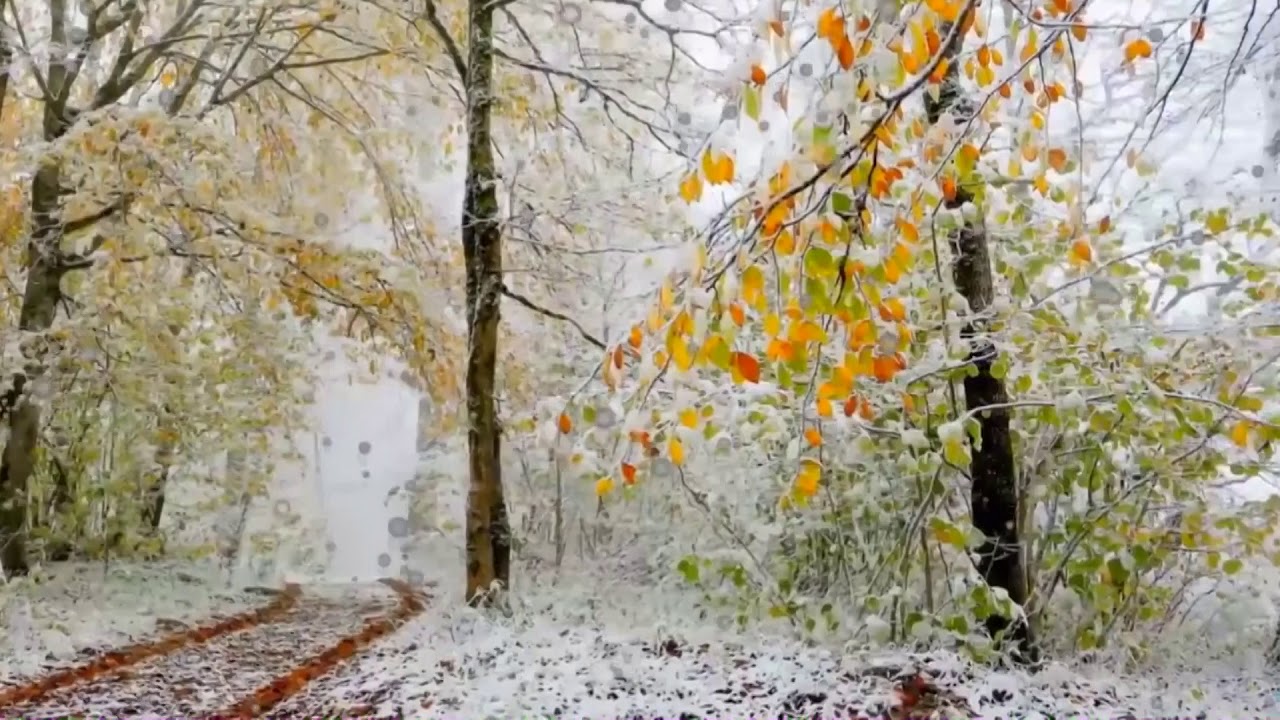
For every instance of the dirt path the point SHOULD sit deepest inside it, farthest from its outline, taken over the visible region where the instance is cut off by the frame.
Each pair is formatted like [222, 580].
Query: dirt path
[239, 667]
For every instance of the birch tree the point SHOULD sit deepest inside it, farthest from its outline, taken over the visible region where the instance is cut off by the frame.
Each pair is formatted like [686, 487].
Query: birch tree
[923, 339]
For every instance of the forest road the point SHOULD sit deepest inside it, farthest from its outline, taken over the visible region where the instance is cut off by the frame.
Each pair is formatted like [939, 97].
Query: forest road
[256, 664]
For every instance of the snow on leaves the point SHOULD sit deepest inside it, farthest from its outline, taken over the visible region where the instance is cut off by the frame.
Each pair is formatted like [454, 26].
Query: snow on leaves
[817, 324]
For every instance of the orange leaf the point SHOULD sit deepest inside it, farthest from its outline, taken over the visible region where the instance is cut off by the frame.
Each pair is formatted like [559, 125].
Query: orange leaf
[1081, 250]
[830, 25]
[737, 313]
[748, 366]
[851, 406]
[892, 310]
[565, 424]
[629, 473]
[948, 188]
[844, 52]
[1058, 159]
[636, 337]
[884, 367]
[1139, 48]
[813, 437]
[866, 412]
[758, 75]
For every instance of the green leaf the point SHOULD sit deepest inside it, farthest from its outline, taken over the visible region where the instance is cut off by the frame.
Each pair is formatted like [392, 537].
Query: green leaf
[819, 262]
[841, 203]
[1232, 566]
[688, 567]
[751, 103]
[948, 534]
[1119, 573]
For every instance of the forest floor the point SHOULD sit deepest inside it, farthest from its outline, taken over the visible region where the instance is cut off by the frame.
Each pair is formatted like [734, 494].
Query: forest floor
[166, 641]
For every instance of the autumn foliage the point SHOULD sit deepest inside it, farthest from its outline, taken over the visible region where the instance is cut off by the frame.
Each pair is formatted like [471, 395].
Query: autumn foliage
[814, 333]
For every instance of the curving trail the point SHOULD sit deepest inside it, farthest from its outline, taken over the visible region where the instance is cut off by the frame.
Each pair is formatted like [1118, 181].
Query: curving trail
[235, 668]
[117, 660]
[289, 684]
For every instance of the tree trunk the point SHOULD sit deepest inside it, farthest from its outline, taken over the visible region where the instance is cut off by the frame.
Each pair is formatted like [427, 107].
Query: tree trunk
[166, 448]
[488, 532]
[994, 492]
[39, 306]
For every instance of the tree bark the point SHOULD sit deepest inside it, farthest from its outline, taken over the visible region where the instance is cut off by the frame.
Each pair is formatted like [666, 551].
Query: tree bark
[995, 480]
[488, 532]
[40, 298]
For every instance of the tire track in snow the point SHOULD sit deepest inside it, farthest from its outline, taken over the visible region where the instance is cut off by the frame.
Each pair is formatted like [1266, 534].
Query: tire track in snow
[287, 685]
[115, 661]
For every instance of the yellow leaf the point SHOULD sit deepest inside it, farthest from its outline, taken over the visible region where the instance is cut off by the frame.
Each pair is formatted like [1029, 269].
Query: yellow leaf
[753, 285]
[772, 325]
[689, 418]
[675, 451]
[806, 331]
[1240, 434]
[680, 354]
[808, 478]
[717, 169]
[825, 409]
[785, 244]
[604, 486]
[919, 46]
[691, 188]
[667, 297]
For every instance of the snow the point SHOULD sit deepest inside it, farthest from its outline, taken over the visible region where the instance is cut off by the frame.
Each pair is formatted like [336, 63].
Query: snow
[581, 647]
[60, 613]
[584, 644]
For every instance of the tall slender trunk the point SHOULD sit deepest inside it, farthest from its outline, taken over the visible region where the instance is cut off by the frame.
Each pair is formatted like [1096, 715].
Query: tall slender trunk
[995, 490]
[488, 530]
[167, 445]
[39, 307]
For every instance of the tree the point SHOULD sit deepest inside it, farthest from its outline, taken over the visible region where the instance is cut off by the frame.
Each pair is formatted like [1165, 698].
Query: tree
[994, 477]
[816, 335]
[152, 144]
[561, 79]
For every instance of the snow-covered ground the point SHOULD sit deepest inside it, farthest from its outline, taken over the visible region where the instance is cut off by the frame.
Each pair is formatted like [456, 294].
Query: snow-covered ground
[60, 614]
[577, 646]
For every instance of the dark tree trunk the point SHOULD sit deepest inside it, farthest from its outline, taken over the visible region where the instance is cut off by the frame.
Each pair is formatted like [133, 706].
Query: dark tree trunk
[994, 492]
[488, 532]
[39, 306]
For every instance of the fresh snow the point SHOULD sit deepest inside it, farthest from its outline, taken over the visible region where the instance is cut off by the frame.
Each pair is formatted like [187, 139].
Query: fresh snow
[579, 647]
[59, 615]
